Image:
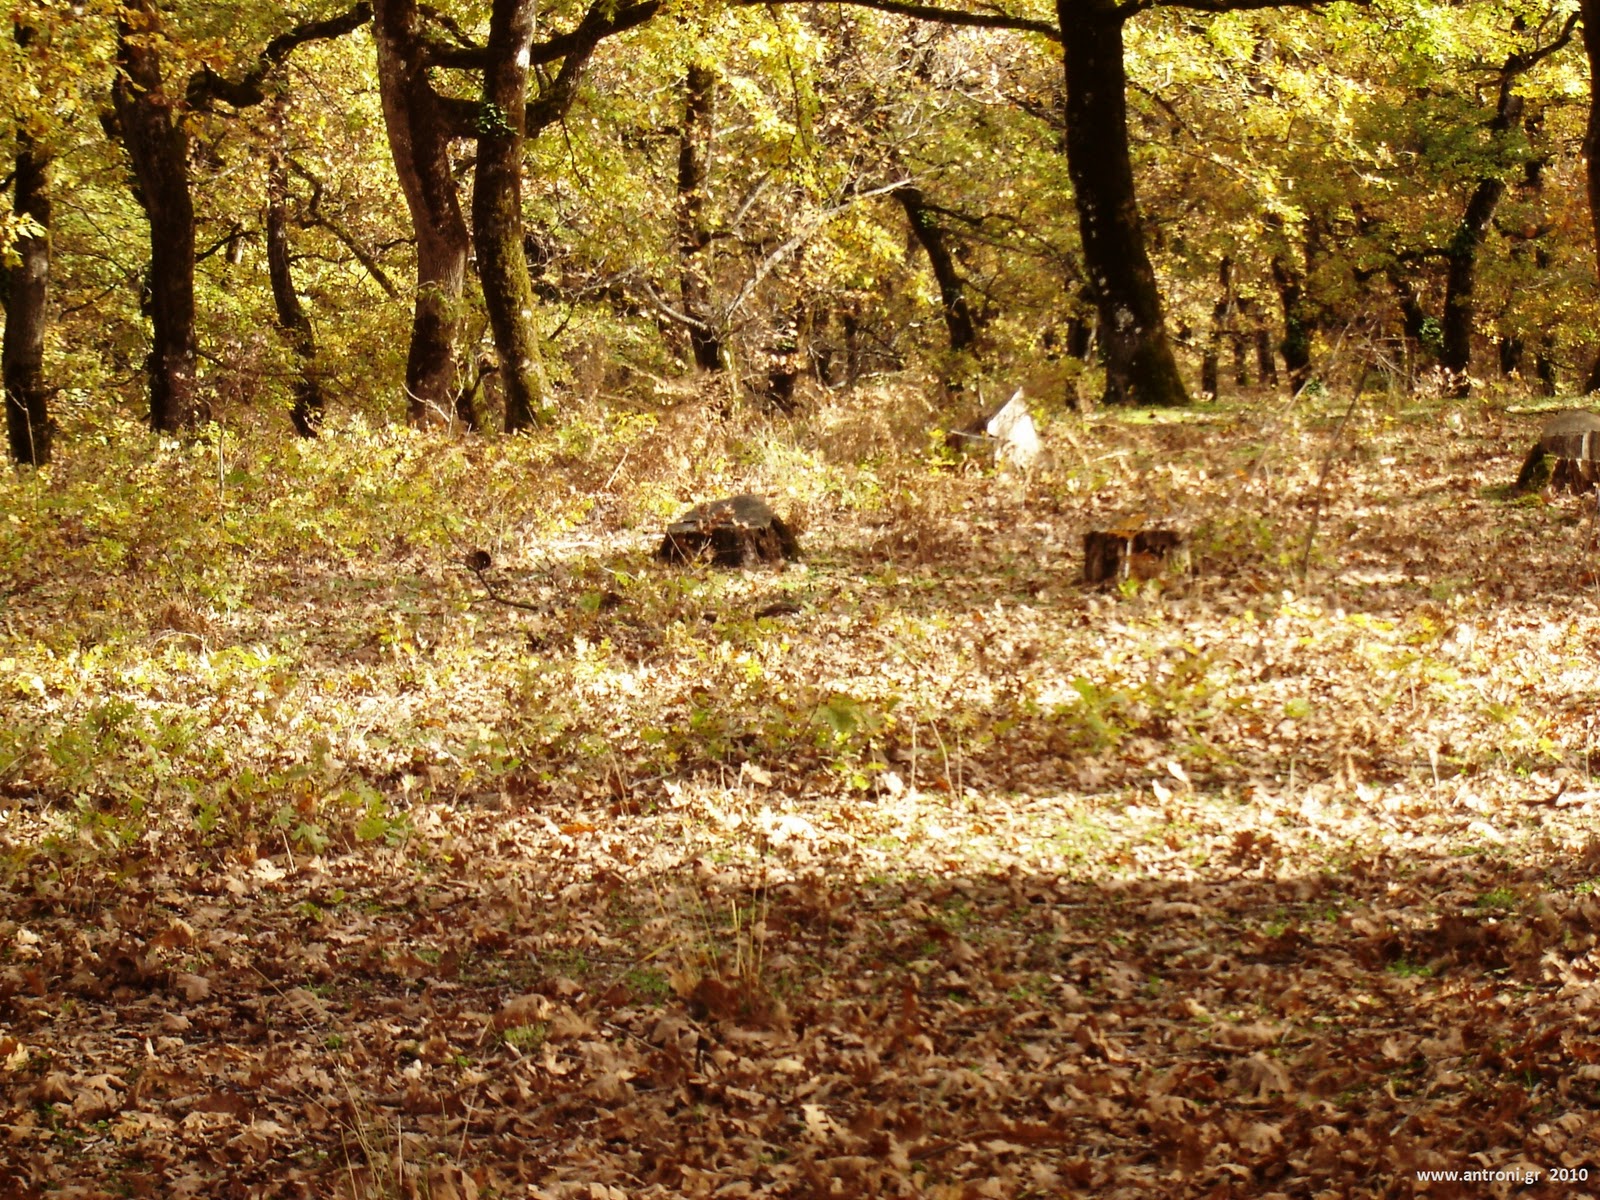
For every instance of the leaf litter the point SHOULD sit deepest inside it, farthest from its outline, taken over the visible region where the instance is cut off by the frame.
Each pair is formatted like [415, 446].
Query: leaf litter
[961, 881]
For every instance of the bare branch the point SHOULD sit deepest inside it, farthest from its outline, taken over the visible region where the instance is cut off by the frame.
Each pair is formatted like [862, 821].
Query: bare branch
[800, 239]
[317, 217]
[941, 16]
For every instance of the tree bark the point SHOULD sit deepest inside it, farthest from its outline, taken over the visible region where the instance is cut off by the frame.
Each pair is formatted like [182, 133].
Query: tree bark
[309, 401]
[1257, 332]
[952, 298]
[1222, 330]
[419, 140]
[158, 147]
[1299, 322]
[1455, 354]
[1590, 10]
[1140, 366]
[497, 210]
[26, 294]
[694, 238]
[1461, 274]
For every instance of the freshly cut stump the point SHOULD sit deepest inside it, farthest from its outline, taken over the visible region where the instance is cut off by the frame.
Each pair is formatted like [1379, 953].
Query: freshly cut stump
[1109, 555]
[739, 531]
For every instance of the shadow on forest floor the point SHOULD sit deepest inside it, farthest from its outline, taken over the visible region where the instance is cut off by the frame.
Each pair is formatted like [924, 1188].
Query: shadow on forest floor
[326, 876]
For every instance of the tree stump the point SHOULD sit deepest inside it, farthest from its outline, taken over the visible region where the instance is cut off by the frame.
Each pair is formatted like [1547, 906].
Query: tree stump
[1111, 555]
[739, 531]
[1573, 440]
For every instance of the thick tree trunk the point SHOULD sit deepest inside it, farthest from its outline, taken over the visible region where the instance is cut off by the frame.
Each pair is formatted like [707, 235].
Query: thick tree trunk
[1461, 274]
[292, 320]
[694, 239]
[419, 140]
[158, 147]
[497, 211]
[26, 292]
[952, 297]
[1140, 366]
[1591, 140]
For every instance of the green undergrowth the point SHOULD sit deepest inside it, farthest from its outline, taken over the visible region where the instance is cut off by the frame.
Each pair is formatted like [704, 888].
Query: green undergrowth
[253, 639]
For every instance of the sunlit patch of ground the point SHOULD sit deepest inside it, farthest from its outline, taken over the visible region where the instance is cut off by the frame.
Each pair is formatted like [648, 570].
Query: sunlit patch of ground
[330, 875]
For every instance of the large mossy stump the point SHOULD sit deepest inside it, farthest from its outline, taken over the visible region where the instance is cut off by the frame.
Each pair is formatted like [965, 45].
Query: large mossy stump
[739, 531]
[1573, 440]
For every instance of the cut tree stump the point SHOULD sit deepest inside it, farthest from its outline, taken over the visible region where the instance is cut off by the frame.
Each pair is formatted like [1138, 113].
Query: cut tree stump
[739, 531]
[1573, 440]
[1110, 555]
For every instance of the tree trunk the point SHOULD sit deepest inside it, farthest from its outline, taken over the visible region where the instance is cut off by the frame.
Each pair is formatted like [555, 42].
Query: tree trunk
[1254, 320]
[1419, 331]
[1222, 317]
[292, 320]
[419, 141]
[1236, 348]
[850, 321]
[158, 146]
[26, 292]
[952, 299]
[1455, 349]
[694, 239]
[1511, 349]
[1455, 353]
[1140, 366]
[1299, 322]
[1591, 140]
[497, 211]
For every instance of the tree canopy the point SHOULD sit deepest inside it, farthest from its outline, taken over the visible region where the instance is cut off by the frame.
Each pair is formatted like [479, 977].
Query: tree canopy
[1125, 190]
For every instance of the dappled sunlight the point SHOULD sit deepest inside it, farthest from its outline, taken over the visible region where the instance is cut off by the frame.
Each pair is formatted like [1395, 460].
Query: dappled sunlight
[946, 874]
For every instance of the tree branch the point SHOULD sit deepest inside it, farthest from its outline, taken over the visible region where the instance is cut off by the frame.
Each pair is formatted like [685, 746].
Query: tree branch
[206, 87]
[470, 57]
[316, 216]
[940, 16]
[1224, 6]
[1518, 64]
[801, 238]
[571, 49]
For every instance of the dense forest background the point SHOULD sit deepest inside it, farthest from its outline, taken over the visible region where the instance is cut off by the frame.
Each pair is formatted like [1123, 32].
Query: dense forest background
[485, 215]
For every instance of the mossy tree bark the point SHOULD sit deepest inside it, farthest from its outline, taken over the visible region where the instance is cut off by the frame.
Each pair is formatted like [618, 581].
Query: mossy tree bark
[419, 138]
[497, 210]
[158, 147]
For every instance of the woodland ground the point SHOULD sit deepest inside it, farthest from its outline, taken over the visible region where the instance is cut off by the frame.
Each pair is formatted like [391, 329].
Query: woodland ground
[323, 875]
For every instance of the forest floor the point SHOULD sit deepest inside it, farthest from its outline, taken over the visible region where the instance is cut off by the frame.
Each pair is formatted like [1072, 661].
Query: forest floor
[325, 875]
